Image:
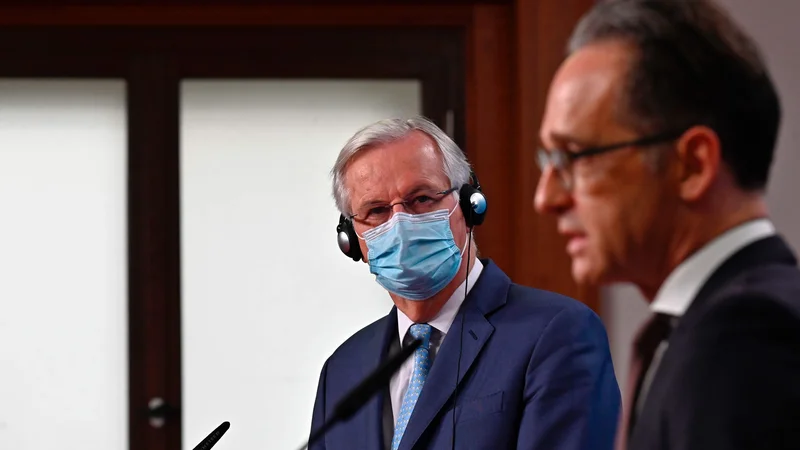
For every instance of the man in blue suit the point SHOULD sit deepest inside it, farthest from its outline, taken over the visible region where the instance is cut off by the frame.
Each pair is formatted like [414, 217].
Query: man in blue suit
[502, 366]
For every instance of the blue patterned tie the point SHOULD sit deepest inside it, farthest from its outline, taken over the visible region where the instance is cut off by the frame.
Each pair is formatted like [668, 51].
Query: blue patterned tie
[422, 365]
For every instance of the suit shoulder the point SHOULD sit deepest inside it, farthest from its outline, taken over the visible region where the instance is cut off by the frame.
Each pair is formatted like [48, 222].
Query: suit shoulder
[354, 345]
[534, 312]
[744, 310]
[525, 299]
[748, 336]
[769, 291]
[556, 327]
[752, 316]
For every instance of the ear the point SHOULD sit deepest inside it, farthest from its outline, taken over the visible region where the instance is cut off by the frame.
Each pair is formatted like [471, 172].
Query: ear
[364, 251]
[699, 157]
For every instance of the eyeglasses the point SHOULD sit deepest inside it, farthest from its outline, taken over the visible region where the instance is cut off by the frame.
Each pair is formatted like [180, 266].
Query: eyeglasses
[562, 160]
[421, 202]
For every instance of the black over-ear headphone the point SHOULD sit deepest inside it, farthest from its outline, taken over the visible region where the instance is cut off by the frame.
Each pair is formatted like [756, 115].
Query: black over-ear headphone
[473, 205]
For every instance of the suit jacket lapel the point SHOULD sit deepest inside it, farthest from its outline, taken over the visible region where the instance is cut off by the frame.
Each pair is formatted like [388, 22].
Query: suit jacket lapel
[767, 251]
[375, 352]
[488, 294]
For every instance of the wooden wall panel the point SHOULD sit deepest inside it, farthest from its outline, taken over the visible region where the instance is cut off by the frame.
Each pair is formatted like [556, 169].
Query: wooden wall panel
[542, 28]
[489, 98]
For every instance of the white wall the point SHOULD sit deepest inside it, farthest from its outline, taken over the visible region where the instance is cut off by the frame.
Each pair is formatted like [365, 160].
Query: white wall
[63, 265]
[266, 293]
[773, 24]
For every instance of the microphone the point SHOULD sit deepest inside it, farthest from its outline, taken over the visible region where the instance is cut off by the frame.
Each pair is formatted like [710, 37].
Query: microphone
[360, 394]
[212, 438]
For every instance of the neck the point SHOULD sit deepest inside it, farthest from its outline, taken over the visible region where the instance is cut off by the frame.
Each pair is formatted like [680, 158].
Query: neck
[425, 310]
[698, 228]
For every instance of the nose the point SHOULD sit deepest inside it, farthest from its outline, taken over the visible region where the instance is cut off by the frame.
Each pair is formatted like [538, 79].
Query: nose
[402, 206]
[395, 208]
[551, 195]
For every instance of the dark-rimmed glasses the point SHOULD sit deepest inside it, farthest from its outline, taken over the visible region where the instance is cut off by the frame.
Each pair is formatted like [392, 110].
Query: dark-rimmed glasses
[420, 202]
[562, 160]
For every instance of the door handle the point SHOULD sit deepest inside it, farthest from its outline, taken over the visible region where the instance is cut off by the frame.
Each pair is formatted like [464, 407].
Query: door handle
[158, 411]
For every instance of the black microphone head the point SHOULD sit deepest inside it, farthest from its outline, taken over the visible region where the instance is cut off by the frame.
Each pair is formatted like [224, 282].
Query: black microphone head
[214, 437]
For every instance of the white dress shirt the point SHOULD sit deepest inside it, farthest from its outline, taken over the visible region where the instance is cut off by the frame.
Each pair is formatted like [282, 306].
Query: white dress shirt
[441, 325]
[684, 283]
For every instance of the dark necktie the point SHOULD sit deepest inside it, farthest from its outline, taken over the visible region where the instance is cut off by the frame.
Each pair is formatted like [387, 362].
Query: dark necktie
[645, 344]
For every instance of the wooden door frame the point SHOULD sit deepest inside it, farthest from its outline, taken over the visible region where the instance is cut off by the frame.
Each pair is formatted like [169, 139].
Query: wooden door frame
[510, 51]
[153, 61]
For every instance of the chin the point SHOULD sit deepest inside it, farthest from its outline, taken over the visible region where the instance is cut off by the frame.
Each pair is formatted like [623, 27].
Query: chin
[585, 272]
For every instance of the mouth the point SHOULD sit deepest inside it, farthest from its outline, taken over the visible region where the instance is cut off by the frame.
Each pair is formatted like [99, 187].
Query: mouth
[576, 242]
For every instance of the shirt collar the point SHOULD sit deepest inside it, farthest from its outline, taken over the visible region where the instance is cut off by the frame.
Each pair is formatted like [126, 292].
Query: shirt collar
[444, 318]
[682, 285]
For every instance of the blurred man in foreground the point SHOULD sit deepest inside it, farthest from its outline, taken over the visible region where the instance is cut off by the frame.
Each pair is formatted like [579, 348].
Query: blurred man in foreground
[521, 368]
[658, 137]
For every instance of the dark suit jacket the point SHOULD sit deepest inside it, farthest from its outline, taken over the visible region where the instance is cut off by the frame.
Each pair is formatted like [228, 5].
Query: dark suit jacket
[536, 373]
[730, 378]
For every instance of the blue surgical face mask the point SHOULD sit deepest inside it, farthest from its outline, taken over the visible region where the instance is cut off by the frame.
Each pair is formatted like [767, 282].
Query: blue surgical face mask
[414, 255]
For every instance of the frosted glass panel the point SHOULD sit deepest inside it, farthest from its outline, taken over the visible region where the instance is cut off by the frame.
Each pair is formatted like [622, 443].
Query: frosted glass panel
[267, 295]
[63, 321]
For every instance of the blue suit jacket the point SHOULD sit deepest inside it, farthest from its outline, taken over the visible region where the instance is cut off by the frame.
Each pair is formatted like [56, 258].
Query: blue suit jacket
[536, 373]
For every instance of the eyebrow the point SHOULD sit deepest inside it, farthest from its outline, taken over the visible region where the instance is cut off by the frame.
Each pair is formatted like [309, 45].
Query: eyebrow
[420, 187]
[565, 138]
[372, 203]
[415, 190]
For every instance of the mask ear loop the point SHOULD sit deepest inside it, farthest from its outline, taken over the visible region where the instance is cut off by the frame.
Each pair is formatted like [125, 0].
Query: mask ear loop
[466, 244]
[455, 195]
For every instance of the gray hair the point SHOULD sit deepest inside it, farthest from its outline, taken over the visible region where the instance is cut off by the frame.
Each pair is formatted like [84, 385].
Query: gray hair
[455, 164]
